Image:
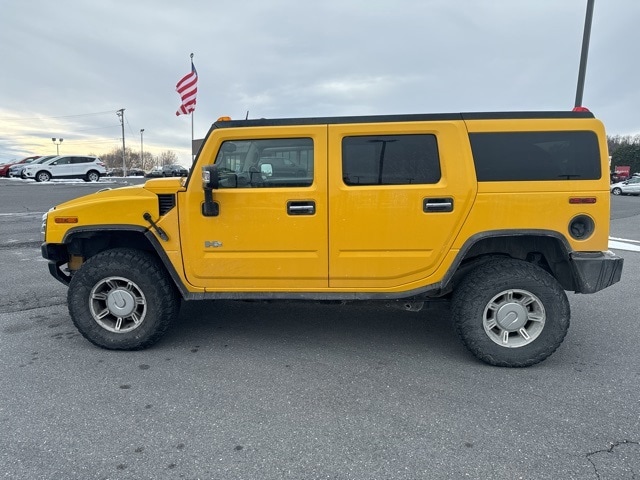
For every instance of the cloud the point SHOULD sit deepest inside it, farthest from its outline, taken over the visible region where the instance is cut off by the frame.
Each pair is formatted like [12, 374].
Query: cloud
[286, 58]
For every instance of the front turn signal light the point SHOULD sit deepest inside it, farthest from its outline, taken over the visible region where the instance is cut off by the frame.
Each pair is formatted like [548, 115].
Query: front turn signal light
[65, 219]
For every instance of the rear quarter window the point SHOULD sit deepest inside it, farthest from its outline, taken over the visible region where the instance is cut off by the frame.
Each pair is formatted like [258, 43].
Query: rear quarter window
[558, 155]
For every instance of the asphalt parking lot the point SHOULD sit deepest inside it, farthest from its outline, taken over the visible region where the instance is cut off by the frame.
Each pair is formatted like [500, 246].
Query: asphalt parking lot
[251, 390]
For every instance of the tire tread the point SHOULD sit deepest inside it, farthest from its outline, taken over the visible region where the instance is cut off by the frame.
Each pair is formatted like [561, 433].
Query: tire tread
[472, 292]
[166, 298]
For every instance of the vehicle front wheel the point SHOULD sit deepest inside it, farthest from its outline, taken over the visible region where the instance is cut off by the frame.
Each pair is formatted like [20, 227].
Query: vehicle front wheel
[616, 191]
[122, 299]
[92, 176]
[43, 177]
[510, 313]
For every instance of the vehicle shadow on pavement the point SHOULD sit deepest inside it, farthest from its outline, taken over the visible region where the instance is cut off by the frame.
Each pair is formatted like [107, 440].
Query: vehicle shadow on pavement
[357, 327]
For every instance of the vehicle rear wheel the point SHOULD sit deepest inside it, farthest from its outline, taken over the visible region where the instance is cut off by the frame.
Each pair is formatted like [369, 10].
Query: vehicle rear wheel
[122, 299]
[617, 191]
[92, 176]
[43, 176]
[510, 313]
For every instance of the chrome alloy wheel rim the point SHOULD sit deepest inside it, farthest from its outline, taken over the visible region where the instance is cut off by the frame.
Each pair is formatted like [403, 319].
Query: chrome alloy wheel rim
[117, 304]
[514, 318]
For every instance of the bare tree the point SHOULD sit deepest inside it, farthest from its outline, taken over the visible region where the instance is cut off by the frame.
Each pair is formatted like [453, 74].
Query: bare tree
[168, 157]
[148, 161]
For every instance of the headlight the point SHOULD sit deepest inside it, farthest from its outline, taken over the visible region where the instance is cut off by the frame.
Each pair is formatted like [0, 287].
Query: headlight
[43, 228]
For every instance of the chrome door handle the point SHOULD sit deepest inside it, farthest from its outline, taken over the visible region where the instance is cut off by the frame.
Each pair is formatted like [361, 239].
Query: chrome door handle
[431, 205]
[302, 207]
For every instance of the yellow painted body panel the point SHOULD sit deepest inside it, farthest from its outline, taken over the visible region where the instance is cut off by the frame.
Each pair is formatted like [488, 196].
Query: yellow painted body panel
[360, 238]
[543, 205]
[121, 206]
[380, 236]
[261, 247]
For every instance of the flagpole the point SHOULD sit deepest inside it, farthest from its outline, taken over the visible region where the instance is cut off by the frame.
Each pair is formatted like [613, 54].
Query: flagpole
[192, 155]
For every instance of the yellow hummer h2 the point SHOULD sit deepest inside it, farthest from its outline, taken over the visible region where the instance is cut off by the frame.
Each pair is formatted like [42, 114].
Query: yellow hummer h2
[498, 212]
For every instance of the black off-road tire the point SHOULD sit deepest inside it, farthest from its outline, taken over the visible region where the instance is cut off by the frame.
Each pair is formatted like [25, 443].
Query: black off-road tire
[42, 176]
[113, 282]
[503, 291]
[92, 176]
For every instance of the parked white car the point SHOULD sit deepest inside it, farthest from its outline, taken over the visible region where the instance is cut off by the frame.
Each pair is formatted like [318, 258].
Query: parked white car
[88, 168]
[17, 169]
[628, 187]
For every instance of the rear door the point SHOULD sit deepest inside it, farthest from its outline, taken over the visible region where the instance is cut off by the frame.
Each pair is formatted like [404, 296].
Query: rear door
[399, 193]
[79, 166]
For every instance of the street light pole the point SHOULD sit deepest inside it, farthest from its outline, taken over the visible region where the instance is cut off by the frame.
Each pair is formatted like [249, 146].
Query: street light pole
[141, 149]
[582, 72]
[57, 142]
[120, 114]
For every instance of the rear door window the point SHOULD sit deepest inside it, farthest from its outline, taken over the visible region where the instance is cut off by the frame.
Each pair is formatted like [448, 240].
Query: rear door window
[390, 160]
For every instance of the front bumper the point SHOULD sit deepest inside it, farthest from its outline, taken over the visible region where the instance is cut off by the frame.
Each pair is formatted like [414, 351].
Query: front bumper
[595, 271]
[58, 256]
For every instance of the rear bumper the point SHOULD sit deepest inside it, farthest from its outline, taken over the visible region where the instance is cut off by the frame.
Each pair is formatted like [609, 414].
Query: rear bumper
[595, 271]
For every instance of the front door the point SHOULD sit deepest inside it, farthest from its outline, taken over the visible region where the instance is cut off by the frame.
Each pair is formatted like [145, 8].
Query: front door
[271, 230]
[62, 167]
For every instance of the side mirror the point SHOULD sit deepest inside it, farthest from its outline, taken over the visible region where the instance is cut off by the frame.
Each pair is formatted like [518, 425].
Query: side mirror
[266, 169]
[210, 181]
[210, 177]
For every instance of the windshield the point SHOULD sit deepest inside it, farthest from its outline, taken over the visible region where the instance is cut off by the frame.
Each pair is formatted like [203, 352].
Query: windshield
[43, 159]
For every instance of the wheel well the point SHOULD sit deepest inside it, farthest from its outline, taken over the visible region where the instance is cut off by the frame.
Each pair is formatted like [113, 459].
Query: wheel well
[82, 245]
[87, 244]
[547, 252]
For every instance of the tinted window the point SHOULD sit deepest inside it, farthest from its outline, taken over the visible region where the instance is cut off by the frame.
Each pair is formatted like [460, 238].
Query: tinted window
[390, 160]
[81, 159]
[278, 162]
[536, 156]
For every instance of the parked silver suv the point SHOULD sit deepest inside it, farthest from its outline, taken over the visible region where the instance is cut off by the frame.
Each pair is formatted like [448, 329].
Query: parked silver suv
[88, 168]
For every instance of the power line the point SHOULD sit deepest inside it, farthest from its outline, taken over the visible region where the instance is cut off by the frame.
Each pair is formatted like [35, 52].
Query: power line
[42, 117]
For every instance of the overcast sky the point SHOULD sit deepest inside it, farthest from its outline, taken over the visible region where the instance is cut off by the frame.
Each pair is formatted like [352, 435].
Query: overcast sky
[68, 65]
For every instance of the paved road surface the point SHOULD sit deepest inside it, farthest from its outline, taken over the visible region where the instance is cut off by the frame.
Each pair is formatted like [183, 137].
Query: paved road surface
[250, 390]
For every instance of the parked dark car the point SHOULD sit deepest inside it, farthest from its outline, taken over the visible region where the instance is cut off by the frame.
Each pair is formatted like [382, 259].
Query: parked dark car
[174, 171]
[4, 168]
[131, 172]
[155, 172]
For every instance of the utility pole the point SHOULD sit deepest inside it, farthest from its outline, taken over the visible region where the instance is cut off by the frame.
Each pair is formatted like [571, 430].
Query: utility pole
[141, 150]
[120, 114]
[585, 52]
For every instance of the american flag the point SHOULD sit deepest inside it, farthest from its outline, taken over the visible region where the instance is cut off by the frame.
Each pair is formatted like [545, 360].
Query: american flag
[187, 88]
